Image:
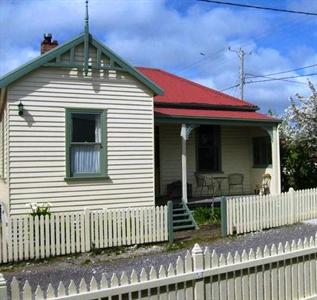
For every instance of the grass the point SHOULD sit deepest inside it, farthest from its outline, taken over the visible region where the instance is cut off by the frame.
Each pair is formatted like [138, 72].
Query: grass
[207, 215]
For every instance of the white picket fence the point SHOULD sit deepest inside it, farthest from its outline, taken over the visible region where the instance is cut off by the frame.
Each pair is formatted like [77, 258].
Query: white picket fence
[283, 272]
[246, 214]
[25, 237]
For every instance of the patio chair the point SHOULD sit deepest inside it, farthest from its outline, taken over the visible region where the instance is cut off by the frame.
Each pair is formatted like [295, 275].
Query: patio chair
[264, 187]
[200, 183]
[235, 180]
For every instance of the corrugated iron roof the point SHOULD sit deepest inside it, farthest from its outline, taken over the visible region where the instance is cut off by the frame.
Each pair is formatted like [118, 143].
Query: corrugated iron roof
[178, 90]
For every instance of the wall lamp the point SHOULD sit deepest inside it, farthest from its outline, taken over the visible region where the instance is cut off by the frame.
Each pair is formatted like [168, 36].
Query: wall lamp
[20, 108]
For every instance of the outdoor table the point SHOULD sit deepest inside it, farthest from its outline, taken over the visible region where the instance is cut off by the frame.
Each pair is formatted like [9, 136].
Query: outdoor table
[219, 180]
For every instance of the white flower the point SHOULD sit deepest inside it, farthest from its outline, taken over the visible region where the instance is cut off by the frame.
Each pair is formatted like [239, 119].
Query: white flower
[33, 205]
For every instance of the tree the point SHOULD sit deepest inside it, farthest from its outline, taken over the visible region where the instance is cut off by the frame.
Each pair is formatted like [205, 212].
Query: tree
[299, 142]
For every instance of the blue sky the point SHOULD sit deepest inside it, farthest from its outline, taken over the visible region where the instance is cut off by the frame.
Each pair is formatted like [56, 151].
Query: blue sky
[172, 34]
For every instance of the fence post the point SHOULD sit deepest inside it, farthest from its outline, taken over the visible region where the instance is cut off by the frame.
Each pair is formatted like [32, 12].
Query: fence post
[3, 288]
[87, 229]
[223, 208]
[292, 204]
[198, 263]
[170, 221]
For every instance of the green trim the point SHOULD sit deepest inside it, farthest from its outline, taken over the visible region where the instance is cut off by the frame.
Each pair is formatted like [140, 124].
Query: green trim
[86, 41]
[92, 178]
[223, 207]
[68, 144]
[197, 105]
[214, 121]
[72, 55]
[98, 58]
[46, 58]
[39, 61]
[86, 51]
[170, 221]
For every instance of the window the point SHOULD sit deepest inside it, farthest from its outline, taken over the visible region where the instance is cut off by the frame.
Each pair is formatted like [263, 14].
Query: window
[262, 152]
[85, 142]
[208, 148]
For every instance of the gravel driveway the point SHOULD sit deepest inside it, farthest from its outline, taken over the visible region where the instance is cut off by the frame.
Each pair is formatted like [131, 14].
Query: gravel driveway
[88, 265]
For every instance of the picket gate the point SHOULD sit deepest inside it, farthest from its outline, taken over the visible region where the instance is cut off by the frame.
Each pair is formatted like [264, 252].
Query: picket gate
[24, 237]
[253, 213]
[284, 271]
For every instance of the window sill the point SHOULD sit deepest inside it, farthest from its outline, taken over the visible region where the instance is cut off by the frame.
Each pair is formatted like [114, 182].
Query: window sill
[88, 178]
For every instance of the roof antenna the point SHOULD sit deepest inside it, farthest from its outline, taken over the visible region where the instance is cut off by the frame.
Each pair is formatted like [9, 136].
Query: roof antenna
[86, 19]
[86, 41]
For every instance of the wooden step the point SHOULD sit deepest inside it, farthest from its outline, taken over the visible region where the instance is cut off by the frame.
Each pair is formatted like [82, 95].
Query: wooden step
[184, 227]
[182, 221]
[179, 209]
[180, 215]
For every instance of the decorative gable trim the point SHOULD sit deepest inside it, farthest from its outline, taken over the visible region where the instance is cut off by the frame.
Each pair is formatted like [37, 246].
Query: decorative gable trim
[39, 61]
[52, 58]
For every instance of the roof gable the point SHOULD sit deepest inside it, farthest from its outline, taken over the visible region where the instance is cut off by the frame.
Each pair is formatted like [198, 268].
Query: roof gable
[105, 59]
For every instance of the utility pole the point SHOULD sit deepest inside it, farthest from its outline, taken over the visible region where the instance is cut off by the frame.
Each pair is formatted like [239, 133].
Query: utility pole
[241, 54]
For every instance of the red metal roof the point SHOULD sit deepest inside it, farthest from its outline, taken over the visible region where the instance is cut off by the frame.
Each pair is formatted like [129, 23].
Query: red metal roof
[212, 114]
[185, 98]
[178, 90]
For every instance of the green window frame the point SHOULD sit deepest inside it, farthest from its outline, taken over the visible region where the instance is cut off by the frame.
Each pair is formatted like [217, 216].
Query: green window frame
[208, 156]
[102, 174]
[262, 152]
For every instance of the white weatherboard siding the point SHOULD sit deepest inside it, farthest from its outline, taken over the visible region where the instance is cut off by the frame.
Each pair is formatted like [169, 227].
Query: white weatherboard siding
[236, 156]
[37, 140]
[4, 151]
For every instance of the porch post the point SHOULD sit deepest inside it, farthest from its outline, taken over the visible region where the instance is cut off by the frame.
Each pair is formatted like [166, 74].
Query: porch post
[184, 164]
[275, 142]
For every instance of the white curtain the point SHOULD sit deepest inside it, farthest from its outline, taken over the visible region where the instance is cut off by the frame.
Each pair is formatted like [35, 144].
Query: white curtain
[86, 158]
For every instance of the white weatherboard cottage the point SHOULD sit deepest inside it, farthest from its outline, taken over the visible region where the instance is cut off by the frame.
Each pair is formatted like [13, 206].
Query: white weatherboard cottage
[79, 124]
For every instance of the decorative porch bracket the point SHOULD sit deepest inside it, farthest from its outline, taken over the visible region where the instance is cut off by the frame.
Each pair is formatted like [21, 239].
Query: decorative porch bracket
[275, 144]
[185, 134]
[269, 131]
[187, 130]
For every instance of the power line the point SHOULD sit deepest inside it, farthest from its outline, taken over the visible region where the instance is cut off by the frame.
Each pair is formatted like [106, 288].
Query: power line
[274, 79]
[288, 71]
[261, 7]
[271, 79]
[230, 87]
[282, 78]
[266, 76]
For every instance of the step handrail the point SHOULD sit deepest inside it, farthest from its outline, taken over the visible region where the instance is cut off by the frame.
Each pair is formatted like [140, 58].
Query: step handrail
[190, 214]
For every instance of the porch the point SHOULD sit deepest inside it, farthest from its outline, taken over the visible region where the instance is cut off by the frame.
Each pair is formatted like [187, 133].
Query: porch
[214, 159]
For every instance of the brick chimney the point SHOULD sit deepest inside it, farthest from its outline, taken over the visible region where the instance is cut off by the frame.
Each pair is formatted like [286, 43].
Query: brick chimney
[47, 44]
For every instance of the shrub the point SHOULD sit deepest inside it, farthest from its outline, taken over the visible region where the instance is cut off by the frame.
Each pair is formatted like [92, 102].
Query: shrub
[207, 215]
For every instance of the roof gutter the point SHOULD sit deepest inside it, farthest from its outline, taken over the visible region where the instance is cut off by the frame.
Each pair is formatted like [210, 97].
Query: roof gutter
[195, 105]
[215, 120]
